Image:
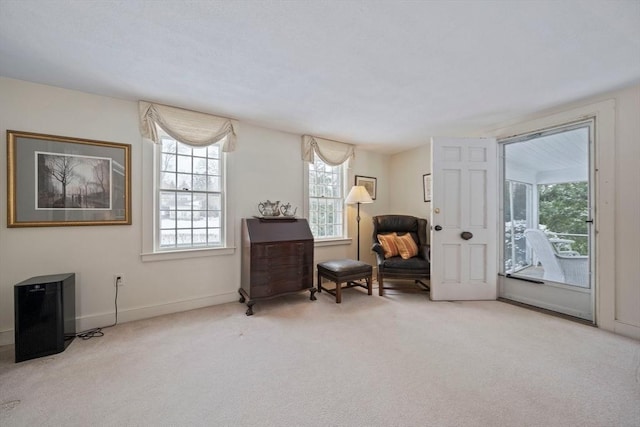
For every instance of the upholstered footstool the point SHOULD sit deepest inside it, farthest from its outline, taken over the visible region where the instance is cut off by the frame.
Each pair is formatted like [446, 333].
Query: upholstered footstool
[345, 271]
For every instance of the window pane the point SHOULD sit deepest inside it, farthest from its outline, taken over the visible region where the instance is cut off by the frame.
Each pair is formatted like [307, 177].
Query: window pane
[199, 218]
[184, 149]
[213, 167]
[214, 236]
[189, 198]
[200, 182]
[213, 219]
[184, 237]
[199, 165]
[168, 180]
[199, 201]
[167, 238]
[168, 162]
[184, 181]
[184, 201]
[167, 200]
[200, 236]
[200, 151]
[214, 203]
[167, 220]
[184, 164]
[169, 145]
[184, 219]
[214, 151]
[518, 195]
[214, 183]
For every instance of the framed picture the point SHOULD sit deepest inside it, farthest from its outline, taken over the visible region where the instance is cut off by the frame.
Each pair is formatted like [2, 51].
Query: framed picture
[59, 181]
[426, 186]
[369, 183]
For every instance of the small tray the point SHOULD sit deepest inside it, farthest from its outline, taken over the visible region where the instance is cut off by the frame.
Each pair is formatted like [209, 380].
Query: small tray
[276, 218]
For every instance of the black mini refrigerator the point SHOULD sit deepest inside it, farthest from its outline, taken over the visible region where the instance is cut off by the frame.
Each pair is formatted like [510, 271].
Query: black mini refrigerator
[45, 315]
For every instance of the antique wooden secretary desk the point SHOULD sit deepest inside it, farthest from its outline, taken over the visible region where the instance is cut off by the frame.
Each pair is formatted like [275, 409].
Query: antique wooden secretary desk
[277, 259]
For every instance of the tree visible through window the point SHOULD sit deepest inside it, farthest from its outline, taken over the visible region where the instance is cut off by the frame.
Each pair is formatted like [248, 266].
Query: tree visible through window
[563, 212]
[326, 200]
[189, 193]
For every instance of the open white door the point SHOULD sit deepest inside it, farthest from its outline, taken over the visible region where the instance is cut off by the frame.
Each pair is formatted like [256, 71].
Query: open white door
[463, 219]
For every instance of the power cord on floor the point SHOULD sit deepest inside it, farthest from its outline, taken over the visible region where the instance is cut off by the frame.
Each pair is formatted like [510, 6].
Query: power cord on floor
[97, 332]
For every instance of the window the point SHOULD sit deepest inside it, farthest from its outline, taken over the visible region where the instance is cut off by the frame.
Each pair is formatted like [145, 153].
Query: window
[189, 196]
[326, 200]
[517, 218]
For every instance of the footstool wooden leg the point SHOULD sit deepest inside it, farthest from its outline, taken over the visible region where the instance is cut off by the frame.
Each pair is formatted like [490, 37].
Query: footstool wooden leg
[319, 282]
[369, 285]
[338, 293]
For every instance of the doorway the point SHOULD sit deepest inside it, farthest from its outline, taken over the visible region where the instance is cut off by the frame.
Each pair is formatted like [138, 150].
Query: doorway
[546, 219]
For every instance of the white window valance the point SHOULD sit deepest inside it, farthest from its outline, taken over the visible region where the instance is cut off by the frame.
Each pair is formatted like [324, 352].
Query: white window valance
[333, 153]
[189, 127]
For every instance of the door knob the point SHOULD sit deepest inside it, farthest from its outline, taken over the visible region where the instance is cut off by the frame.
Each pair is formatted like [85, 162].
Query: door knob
[437, 228]
[466, 235]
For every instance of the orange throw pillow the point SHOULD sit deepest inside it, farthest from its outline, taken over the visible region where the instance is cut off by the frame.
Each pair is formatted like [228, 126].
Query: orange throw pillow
[406, 246]
[388, 243]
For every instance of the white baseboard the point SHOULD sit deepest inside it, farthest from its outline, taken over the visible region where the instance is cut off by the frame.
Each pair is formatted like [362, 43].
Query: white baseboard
[6, 337]
[138, 313]
[630, 331]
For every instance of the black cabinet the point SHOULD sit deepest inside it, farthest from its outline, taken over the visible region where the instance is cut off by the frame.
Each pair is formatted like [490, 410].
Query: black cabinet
[45, 315]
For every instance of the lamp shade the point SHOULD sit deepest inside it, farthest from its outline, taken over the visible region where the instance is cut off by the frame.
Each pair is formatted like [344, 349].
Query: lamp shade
[358, 194]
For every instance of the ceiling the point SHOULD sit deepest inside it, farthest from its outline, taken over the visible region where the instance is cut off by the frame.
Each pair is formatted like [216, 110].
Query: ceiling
[553, 158]
[385, 75]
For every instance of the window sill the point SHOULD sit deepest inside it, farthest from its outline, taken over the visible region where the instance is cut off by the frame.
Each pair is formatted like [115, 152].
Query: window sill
[331, 242]
[186, 254]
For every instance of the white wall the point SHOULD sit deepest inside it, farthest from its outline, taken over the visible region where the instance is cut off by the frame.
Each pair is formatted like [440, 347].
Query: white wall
[627, 213]
[407, 194]
[266, 165]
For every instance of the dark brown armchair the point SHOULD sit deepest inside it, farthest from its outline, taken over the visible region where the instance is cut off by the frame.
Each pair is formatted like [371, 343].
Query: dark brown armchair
[417, 268]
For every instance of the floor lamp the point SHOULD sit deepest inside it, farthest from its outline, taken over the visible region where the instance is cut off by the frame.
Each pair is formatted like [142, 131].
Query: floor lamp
[358, 195]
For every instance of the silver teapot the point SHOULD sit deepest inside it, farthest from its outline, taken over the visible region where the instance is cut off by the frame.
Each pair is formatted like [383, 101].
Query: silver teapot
[286, 210]
[269, 208]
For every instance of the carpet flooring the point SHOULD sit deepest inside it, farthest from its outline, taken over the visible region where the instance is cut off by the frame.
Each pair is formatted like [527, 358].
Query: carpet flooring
[398, 360]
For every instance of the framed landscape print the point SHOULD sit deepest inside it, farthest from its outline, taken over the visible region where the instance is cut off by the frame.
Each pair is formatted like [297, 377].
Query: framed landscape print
[369, 183]
[59, 181]
[426, 186]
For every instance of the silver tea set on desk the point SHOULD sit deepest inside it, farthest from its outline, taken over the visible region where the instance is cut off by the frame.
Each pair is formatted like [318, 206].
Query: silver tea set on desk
[273, 209]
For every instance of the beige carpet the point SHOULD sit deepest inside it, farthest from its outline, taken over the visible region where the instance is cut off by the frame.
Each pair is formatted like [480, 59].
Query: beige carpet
[400, 360]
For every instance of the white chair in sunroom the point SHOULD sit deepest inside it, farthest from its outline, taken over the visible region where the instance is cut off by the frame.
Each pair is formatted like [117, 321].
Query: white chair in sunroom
[570, 269]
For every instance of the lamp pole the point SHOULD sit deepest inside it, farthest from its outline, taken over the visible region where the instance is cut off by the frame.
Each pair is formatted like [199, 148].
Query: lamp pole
[358, 195]
[358, 221]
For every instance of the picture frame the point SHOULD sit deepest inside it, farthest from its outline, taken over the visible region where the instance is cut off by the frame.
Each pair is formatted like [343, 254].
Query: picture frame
[368, 182]
[426, 186]
[64, 181]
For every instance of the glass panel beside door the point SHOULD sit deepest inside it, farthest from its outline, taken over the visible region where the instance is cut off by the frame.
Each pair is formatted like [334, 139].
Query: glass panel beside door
[546, 233]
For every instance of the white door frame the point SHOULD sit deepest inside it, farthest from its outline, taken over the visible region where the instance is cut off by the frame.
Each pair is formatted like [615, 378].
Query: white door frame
[559, 297]
[604, 209]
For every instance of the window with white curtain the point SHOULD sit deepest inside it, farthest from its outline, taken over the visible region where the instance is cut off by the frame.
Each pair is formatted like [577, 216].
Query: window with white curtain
[326, 200]
[189, 195]
[189, 209]
[327, 162]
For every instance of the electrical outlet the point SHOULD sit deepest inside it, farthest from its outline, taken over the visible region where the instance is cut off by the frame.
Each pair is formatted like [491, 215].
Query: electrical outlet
[118, 279]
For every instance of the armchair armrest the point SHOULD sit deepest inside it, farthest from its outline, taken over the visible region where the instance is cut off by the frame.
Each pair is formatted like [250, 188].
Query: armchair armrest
[424, 251]
[377, 248]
